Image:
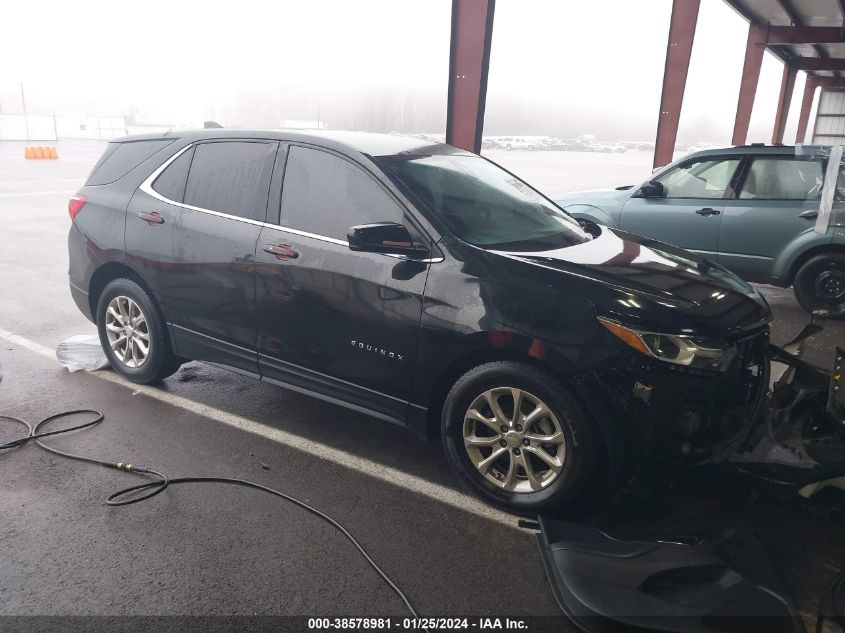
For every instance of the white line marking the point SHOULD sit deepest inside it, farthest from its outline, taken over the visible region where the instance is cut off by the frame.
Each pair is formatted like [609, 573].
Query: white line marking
[359, 464]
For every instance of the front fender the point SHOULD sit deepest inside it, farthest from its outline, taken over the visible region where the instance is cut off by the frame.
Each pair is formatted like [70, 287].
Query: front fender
[581, 211]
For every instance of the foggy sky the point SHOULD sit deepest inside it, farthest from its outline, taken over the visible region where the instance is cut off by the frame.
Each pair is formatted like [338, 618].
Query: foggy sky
[561, 67]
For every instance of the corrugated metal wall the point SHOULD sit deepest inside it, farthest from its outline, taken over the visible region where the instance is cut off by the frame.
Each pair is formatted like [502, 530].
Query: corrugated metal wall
[830, 118]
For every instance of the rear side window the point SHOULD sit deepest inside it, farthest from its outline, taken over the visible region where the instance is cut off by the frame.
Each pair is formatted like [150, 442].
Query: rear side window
[231, 177]
[326, 195]
[171, 182]
[783, 179]
[121, 158]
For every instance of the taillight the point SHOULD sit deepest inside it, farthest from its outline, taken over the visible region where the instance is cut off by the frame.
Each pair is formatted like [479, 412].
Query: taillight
[75, 204]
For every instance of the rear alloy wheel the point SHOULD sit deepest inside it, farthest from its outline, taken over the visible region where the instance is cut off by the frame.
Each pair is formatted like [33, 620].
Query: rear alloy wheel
[517, 437]
[127, 331]
[132, 333]
[820, 284]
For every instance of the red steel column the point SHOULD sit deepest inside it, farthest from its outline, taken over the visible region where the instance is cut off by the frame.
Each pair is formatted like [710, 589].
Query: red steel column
[787, 85]
[754, 50]
[806, 106]
[472, 30]
[678, 51]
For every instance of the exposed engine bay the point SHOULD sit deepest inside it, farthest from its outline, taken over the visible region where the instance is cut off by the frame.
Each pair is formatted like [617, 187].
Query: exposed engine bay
[769, 413]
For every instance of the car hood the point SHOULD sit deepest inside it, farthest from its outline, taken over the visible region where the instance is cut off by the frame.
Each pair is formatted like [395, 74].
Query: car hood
[596, 196]
[650, 284]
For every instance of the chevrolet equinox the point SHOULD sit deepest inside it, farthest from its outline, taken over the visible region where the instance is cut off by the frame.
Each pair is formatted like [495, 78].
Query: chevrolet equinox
[423, 285]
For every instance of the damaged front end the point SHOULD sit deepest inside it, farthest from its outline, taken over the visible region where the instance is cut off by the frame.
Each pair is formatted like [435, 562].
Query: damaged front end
[743, 401]
[799, 436]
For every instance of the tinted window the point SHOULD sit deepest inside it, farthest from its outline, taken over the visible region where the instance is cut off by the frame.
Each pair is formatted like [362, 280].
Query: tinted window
[483, 204]
[783, 179]
[326, 195]
[119, 160]
[699, 179]
[171, 182]
[231, 177]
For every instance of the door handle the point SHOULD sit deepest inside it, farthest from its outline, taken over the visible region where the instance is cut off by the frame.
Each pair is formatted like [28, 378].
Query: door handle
[708, 211]
[282, 252]
[151, 218]
[810, 214]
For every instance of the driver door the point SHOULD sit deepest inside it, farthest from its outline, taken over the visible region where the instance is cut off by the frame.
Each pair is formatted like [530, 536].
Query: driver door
[689, 213]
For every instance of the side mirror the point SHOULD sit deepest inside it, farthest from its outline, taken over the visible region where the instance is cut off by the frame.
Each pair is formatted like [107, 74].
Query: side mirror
[590, 227]
[384, 237]
[652, 189]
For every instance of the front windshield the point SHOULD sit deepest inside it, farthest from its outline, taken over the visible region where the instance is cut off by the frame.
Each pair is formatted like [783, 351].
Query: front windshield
[483, 204]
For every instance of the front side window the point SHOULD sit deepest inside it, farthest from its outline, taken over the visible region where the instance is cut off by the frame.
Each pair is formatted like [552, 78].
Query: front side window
[326, 195]
[231, 177]
[783, 179]
[699, 179]
[483, 204]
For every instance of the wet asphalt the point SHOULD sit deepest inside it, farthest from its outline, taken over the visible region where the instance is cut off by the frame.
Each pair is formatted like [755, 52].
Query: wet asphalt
[218, 550]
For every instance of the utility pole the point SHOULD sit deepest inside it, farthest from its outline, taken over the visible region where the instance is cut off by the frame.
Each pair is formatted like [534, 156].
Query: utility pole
[25, 119]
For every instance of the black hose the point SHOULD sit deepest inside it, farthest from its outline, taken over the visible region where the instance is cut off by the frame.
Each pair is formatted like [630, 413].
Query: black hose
[833, 597]
[159, 481]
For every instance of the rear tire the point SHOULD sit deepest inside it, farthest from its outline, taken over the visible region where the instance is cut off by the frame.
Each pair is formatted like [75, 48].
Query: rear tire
[820, 284]
[132, 333]
[498, 455]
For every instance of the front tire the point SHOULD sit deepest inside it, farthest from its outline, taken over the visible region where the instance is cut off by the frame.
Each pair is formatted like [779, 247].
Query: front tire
[132, 333]
[517, 437]
[820, 284]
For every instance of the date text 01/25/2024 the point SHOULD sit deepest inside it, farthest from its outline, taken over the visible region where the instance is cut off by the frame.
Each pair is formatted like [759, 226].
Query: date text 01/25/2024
[418, 624]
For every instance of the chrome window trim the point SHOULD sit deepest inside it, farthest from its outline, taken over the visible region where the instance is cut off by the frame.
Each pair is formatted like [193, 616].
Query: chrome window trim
[147, 188]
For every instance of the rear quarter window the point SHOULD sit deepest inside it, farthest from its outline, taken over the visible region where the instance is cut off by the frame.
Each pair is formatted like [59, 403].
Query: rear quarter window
[121, 158]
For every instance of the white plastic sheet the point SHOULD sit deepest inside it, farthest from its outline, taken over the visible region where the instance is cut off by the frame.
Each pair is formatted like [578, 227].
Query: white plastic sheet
[82, 351]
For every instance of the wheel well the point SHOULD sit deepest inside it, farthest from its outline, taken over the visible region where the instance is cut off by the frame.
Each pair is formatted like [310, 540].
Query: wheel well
[106, 273]
[810, 253]
[463, 364]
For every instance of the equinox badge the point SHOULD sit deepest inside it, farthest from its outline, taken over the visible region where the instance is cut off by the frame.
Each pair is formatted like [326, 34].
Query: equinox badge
[377, 350]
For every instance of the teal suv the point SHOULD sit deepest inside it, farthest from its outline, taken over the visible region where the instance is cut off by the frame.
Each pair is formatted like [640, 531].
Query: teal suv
[765, 212]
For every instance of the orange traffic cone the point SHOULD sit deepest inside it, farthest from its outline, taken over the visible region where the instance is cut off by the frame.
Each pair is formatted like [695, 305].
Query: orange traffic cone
[28, 153]
[53, 153]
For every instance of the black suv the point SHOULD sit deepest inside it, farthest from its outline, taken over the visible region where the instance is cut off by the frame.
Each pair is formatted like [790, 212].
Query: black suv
[423, 285]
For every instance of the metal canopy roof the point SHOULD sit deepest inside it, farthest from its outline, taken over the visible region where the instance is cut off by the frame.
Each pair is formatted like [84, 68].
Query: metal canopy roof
[806, 34]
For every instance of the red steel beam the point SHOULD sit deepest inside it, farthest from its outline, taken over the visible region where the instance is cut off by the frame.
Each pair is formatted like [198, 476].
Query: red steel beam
[754, 49]
[806, 106]
[469, 60]
[787, 85]
[830, 83]
[819, 63]
[805, 35]
[678, 50]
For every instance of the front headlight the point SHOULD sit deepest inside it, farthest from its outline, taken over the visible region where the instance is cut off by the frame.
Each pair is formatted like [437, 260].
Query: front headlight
[690, 351]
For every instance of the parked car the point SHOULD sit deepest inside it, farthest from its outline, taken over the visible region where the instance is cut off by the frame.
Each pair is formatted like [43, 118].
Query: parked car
[423, 285]
[521, 142]
[753, 209]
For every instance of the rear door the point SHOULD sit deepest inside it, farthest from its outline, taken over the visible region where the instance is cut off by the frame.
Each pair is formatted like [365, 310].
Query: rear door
[191, 230]
[690, 212]
[766, 215]
[338, 322]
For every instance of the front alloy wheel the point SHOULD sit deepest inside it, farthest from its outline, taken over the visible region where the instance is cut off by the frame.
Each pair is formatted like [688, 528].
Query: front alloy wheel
[518, 437]
[514, 440]
[128, 332]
